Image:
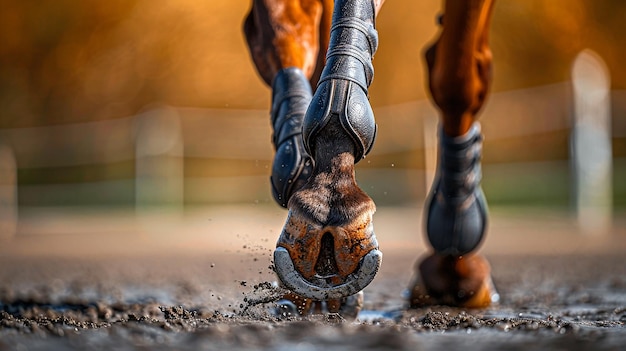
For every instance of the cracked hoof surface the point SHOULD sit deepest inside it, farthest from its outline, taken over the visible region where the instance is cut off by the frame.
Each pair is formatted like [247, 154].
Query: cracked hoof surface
[325, 261]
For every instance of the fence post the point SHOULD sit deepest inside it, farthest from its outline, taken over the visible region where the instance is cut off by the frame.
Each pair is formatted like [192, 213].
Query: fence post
[591, 151]
[159, 164]
[431, 142]
[8, 193]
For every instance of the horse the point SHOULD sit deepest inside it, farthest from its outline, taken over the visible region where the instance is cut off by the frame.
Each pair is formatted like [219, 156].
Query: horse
[316, 55]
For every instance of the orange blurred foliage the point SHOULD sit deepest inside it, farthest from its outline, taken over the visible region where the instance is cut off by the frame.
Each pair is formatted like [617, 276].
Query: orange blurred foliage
[65, 61]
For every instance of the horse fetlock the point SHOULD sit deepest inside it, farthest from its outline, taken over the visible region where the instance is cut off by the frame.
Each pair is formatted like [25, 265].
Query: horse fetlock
[340, 105]
[456, 212]
[292, 166]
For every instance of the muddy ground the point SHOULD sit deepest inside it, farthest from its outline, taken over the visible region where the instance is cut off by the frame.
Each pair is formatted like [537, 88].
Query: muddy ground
[173, 298]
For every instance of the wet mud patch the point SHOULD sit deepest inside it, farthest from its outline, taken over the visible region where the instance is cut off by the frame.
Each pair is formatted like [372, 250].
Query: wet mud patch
[226, 302]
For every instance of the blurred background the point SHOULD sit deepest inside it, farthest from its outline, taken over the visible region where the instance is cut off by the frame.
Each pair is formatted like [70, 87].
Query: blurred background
[136, 105]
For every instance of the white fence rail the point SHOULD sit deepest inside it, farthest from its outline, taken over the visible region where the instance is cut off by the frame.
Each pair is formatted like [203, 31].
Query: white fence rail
[158, 141]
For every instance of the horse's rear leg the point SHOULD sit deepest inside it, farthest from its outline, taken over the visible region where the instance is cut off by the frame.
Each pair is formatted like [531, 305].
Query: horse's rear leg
[459, 66]
[283, 38]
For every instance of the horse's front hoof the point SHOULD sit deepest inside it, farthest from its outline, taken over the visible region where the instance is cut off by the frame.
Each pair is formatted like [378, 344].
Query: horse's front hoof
[325, 262]
[461, 281]
[321, 288]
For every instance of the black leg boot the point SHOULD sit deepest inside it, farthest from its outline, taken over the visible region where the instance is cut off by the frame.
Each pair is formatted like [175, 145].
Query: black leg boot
[291, 95]
[456, 214]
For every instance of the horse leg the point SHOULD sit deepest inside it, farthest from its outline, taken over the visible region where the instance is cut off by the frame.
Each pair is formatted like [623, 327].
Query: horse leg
[459, 64]
[283, 38]
[288, 40]
[327, 251]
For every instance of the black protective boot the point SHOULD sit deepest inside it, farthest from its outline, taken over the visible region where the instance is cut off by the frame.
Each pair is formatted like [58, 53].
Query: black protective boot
[341, 96]
[456, 214]
[291, 95]
[339, 113]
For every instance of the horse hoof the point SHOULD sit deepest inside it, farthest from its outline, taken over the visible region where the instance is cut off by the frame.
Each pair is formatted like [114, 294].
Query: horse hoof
[321, 287]
[463, 281]
[293, 305]
[326, 261]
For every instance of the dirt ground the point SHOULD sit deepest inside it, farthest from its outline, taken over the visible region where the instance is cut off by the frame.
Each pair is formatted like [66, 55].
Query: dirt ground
[114, 287]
